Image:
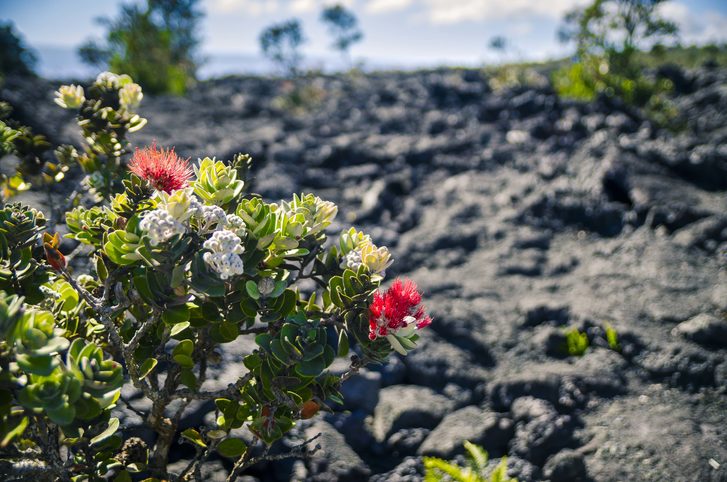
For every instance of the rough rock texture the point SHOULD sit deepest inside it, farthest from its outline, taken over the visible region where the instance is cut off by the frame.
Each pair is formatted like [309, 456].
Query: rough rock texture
[470, 423]
[335, 460]
[407, 406]
[519, 215]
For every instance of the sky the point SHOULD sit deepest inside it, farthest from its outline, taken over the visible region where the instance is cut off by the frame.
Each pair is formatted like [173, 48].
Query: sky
[397, 33]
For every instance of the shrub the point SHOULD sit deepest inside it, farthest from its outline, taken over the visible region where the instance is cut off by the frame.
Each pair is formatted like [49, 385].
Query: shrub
[183, 261]
[38, 164]
[156, 44]
[281, 44]
[439, 470]
[608, 35]
[15, 57]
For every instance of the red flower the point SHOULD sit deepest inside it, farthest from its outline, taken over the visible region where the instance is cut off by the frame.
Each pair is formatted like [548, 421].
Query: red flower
[399, 307]
[163, 168]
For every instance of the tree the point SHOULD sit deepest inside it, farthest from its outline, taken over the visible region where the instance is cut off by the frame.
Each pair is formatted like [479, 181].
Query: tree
[499, 44]
[616, 29]
[343, 27]
[156, 44]
[281, 43]
[15, 57]
[607, 34]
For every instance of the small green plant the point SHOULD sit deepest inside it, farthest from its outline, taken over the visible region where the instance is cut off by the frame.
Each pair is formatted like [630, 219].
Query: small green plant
[576, 342]
[281, 44]
[440, 470]
[612, 338]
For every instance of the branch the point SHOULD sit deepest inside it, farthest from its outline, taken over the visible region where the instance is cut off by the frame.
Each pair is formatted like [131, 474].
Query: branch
[356, 364]
[300, 450]
[232, 391]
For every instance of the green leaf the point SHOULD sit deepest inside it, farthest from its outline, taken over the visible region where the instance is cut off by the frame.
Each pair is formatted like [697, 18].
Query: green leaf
[176, 314]
[106, 434]
[477, 455]
[276, 348]
[311, 368]
[123, 477]
[183, 360]
[193, 436]
[14, 432]
[342, 343]
[178, 328]
[147, 367]
[252, 291]
[229, 331]
[185, 347]
[252, 361]
[232, 447]
[187, 378]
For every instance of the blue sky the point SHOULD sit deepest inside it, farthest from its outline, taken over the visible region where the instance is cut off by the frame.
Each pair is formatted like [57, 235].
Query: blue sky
[397, 32]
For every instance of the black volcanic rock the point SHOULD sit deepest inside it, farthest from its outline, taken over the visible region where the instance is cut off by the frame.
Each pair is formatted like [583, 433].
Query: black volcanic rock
[518, 214]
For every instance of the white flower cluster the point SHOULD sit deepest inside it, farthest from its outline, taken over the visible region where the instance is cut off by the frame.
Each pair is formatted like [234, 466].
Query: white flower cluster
[352, 260]
[130, 95]
[70, 96]
[211, 218]
[235, 222]
[109, 79]
[224, 254]
[159, 225]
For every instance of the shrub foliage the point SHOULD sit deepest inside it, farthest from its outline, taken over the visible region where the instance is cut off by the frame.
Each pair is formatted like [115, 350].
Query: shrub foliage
[183, 260]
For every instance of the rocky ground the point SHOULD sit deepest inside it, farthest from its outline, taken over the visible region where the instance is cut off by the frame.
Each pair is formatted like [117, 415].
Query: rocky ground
[519, 215]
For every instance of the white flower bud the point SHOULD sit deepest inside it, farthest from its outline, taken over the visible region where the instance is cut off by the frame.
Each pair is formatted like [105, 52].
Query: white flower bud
[130, 95]
[160, 226]
[70, 96]
[223, 256]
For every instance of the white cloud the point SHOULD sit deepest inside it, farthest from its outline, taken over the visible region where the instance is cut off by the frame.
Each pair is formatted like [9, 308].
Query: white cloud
[386, 6]
[256, 8]
[456, 11]
[710, 26]
[249, 7]
[302, 6]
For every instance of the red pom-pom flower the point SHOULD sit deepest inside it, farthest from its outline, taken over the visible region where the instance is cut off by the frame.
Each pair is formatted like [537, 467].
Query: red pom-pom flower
[397, 314]
[163, 168]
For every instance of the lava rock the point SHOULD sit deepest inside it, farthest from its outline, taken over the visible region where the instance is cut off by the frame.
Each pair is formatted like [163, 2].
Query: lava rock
[538, 312]
[566, 466]
[408, 406]
[411, 469]
[361, 391]
[541, 437]
[522, 470]
[336, 460]
[435, 363]
[487, 429]
[546, 386]
[525, 409]
[407, 440]
[704, 329]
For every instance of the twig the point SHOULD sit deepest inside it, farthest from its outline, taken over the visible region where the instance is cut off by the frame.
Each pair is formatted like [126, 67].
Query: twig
[245, 461]
[232, 391]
